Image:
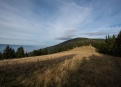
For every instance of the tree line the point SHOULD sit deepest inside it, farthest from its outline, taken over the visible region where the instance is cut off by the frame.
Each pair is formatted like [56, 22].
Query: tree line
[111, 46]
[65, 46]
[9, 53]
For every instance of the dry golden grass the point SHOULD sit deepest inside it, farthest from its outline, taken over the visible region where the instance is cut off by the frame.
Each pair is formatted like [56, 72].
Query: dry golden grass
[79, 67]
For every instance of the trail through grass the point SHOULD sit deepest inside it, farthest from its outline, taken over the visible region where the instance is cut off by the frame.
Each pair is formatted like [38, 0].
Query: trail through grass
[80, 67]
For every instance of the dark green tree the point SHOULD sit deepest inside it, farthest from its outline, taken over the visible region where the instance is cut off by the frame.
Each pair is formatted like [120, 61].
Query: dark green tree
[35, 53]
[26, 54]
[8, 53]
[118, 44]
[1, 56]
[20, 52]
[111, 46]
[13, 54]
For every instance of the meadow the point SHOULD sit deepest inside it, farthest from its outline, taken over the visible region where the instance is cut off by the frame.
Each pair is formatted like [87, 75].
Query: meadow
[79, 67]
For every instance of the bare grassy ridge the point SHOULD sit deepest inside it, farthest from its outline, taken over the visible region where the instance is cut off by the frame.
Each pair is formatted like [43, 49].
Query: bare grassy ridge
[80, 67]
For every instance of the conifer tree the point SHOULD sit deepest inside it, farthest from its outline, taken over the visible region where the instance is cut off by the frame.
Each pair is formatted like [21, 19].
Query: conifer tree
[20, 52]
[26, 54]
[1, 56]
[118, 44]
[8, 53]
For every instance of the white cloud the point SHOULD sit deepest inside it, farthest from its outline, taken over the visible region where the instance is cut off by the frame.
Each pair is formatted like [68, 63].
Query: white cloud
[69, 17]
[38, 24]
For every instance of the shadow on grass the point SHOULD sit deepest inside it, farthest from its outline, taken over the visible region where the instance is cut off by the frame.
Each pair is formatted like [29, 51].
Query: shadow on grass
[9, 74]
[94, 71]
[97, 71]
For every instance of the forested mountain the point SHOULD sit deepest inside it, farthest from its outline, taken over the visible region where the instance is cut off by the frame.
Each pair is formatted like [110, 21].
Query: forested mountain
[67, 45]
[110, 45]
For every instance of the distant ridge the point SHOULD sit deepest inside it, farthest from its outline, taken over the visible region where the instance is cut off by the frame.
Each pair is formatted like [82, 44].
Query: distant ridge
[27, 48]
[65, 46]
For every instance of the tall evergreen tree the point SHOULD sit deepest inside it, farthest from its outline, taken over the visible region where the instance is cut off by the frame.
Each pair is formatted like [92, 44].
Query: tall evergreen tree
[35, 53]
[118, 44]
[20, 52]
[13, 54]
[26, 54]
[1, 56]
[8, 53]
[118, 40]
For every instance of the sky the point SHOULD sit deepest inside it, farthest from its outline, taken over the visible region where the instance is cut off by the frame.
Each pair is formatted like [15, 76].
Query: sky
[49, 22]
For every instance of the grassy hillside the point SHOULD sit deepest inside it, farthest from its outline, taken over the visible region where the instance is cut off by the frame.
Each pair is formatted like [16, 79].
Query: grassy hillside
[66, 45]
[80, 67]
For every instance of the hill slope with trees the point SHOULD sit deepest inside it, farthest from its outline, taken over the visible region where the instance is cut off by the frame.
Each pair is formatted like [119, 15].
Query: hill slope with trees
[67, 45]
[111, 45]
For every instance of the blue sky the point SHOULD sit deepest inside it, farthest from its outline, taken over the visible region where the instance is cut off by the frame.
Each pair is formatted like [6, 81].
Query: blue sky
[49, 22]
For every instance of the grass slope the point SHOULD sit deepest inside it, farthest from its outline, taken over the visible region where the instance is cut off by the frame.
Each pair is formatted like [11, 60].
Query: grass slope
[79, 67]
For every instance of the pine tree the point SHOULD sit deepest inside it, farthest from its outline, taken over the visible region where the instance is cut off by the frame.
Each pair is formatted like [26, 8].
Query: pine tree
[20, 52]
[26, 54]
[35, 53]
[13, 54]
[106, 40]
[118, 40]
[118, 44]
[8, 53]
[1, 56]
